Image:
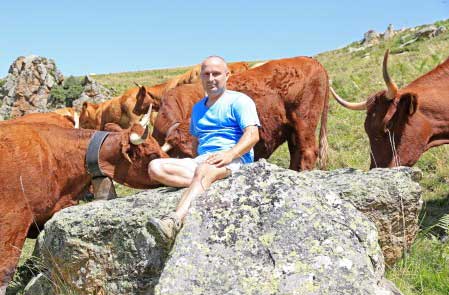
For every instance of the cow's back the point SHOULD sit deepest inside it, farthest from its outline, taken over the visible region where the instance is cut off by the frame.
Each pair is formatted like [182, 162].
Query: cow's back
[47, 118]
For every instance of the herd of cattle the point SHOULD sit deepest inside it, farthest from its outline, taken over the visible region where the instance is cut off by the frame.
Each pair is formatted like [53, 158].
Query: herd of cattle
[43, 156]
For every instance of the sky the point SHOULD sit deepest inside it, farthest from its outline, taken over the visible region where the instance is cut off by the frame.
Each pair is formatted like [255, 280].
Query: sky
[85, 37]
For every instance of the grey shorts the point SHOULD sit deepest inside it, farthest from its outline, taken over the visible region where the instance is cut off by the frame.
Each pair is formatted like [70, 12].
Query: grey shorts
[234, 166]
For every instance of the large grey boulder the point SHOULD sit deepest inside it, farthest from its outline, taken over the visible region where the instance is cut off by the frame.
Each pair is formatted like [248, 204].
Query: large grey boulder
[265, 230]
[382, 195]
[27, 86]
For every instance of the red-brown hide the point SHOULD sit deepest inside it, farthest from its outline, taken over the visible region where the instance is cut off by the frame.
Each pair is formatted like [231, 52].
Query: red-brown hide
[42, 170]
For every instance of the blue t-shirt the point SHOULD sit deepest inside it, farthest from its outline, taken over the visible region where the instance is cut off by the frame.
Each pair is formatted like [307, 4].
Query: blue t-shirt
[221, 126]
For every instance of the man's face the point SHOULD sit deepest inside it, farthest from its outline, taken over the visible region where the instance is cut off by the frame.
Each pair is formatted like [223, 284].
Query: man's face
[214, 75]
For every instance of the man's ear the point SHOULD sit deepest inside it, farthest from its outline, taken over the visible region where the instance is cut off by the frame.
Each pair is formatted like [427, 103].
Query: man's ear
[228, 74]
[410, 100]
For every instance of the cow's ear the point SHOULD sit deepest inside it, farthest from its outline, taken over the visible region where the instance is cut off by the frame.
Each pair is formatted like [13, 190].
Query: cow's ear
[410, 100]
[85, 105]
[112, 127]
[142, 91]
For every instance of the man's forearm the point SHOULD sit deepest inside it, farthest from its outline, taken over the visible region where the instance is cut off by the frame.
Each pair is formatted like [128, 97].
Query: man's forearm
[249, 138]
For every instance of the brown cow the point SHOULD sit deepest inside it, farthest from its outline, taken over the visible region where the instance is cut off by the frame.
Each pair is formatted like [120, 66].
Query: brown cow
[42, 170]
[69, 112]
[290, 95]
[117, 110]
[154, 95]
[404, 123]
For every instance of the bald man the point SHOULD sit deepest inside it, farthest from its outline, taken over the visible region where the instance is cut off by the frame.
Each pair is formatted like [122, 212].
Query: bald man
[226, 125]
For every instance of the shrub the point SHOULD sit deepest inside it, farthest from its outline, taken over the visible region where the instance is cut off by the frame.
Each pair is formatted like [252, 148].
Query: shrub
[65, 94]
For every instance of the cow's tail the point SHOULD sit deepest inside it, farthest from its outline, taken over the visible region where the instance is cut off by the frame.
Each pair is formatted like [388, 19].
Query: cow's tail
[323, 145]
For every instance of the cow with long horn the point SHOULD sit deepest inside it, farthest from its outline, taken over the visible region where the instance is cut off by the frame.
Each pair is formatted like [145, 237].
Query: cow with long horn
[404, 123]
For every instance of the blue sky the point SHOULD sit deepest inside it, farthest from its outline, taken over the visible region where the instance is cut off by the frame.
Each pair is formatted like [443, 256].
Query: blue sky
[117, 36]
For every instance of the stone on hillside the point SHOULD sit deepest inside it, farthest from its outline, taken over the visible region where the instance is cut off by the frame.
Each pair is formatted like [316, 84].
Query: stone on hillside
[370, 38]
[27, 86]
[429, 31]
[93, 92]
[265, 229]
[389, 32]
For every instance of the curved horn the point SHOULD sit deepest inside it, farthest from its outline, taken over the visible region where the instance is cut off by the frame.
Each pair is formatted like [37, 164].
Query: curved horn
[137, 84]
[166, 147]
[172, 127]
[135, 139]
[359, 106]
[392, 88]
[146, 118]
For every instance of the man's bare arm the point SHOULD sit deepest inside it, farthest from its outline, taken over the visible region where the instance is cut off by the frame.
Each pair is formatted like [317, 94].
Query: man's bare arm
[249, 138]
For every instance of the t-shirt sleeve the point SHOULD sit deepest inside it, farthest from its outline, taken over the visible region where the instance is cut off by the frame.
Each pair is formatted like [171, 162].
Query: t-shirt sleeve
[245, 112]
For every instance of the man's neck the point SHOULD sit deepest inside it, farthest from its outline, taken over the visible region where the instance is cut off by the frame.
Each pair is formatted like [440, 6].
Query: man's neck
[211, 99]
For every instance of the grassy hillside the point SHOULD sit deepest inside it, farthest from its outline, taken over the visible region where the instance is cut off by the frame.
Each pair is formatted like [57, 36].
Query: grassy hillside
[355, 75]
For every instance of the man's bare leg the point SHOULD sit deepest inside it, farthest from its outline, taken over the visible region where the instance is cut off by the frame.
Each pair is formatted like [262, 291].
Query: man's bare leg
[167, 227]
[173, 172]
[205, 175]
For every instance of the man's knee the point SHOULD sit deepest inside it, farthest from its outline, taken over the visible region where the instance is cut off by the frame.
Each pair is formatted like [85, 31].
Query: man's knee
[209, 172]
[202, 170]
[155, 168]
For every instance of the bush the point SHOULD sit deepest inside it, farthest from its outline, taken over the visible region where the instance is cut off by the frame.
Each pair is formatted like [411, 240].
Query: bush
[65, 94]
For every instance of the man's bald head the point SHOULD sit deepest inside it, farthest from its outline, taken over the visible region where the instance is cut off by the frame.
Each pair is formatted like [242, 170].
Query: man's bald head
[214, 74]
[216, 60]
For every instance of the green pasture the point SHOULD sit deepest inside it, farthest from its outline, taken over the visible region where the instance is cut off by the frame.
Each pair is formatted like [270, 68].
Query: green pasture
[355, 74]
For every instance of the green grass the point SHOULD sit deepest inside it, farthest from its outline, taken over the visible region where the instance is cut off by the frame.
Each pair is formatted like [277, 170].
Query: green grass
[356, 75]
[122, 81]
[425, 270]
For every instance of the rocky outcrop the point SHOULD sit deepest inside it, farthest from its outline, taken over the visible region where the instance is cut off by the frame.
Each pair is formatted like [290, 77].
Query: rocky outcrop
[27, 86]
[371, 37]
[429, 31]
[389, 32]
[265, 230]
[93, 92]
[426, 32]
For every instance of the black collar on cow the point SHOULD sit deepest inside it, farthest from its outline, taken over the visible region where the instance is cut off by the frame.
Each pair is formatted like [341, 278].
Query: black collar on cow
[93, 153]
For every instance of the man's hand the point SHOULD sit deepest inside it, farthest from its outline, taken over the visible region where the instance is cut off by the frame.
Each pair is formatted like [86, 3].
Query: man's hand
[220, 159]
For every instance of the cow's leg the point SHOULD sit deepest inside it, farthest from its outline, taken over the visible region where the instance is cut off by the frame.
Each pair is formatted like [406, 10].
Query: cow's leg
[294, 152]
[305, 144]
[13, 232]
[103, 188]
